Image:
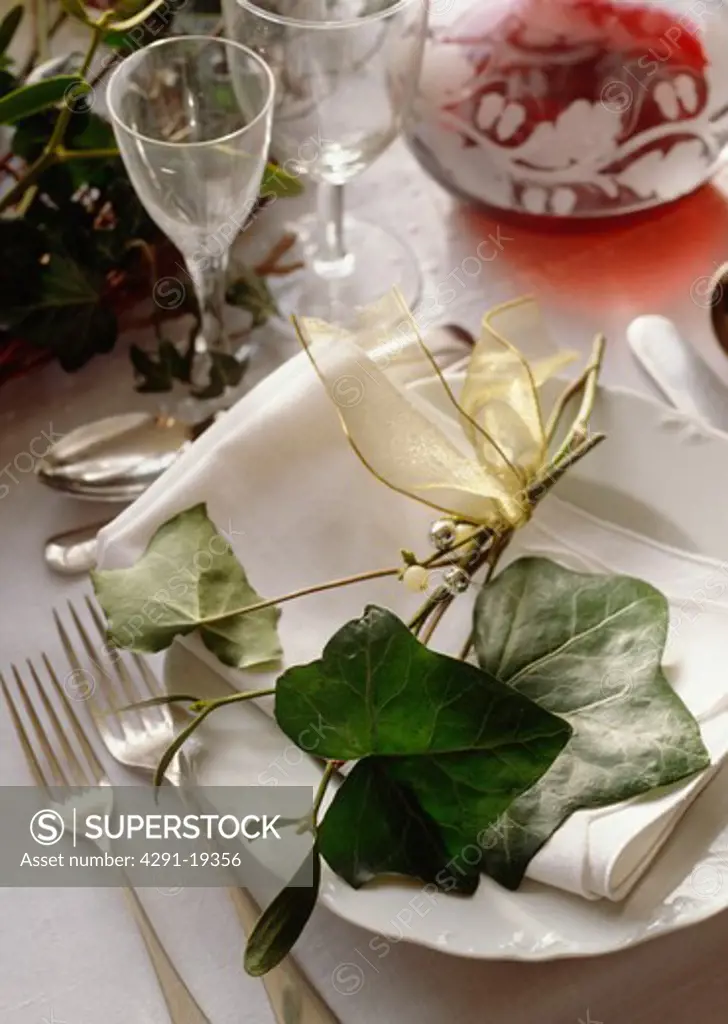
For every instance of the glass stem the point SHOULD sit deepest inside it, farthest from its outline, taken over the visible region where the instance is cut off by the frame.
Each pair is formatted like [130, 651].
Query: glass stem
[209, 277]
[332, 260]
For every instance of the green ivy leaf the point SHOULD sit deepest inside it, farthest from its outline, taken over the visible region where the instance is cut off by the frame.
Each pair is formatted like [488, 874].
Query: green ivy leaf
[187, 579]
[375, 826]
[225, 372]
[62, 181]
[279, 183]
[30, 99]
[250, 291]
[282, 922]
[9, 26]
[587, 647]
[451, 743]
[158, 375]
[67, 314]
[22, 275]
[8, 81]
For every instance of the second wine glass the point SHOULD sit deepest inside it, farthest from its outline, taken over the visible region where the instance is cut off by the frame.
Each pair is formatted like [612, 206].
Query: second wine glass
[346, 72]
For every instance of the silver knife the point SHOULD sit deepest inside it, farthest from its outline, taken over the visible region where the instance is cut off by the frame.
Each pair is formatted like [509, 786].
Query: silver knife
[686, 381]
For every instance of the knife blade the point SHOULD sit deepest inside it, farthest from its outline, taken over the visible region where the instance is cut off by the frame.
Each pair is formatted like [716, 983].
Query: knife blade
[686, 381]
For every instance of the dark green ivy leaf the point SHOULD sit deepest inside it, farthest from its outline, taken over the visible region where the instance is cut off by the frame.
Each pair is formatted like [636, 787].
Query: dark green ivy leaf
[225, 372]
[8, 81]
[250, 291]
[29, 99]
[453, 744]
[282, 922]
[279, 183]
[66, 314]
[377, 826]
[9, 26]
[158, 375]
[589, 648]
[20, 276]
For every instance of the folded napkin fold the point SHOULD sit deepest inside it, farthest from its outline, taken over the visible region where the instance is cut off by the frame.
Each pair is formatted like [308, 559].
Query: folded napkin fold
[299, 508]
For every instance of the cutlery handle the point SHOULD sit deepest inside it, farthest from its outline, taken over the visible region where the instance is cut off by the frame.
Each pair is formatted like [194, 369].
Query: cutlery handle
[292, 997]
[182, 1006]
[682, 376]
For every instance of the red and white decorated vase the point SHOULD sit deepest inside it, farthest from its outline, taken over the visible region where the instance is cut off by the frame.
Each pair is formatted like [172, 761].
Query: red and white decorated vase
[573, 108]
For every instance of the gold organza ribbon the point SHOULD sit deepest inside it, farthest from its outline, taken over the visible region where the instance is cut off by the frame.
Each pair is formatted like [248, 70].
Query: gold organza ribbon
[469, 456]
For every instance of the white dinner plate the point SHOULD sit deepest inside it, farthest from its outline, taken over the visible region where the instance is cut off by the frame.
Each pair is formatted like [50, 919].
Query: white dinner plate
[659, 475]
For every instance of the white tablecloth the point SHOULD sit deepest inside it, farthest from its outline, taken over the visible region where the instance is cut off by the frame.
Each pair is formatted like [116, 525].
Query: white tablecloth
[73, 957]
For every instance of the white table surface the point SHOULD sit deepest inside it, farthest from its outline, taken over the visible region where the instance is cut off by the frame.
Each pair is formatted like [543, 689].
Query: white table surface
[73, 956]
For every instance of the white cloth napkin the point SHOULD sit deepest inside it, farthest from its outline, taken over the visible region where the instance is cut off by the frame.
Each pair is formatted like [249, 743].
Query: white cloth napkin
[298, 508]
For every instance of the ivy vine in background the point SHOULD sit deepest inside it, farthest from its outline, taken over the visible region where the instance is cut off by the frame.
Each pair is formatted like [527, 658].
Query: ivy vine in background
[82, 244]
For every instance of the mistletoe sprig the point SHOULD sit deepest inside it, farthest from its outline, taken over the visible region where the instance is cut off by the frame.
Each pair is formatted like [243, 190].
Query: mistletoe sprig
[450, 769]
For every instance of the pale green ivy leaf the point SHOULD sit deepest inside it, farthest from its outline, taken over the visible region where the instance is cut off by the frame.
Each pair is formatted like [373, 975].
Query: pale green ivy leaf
[587, 648]
[188, 579]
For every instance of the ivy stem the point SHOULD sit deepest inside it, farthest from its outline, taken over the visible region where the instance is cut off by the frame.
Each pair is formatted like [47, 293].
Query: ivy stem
[579, 428]
[438, 602]
[557, 468]
[63, 156]
[50, 156]
[439, 560]
[332, 585]
[233, 698]
[467, 646]
[494, 545]
[436, 617]
[561, 403]
[494, 555]
[425, 610]
[329, 771]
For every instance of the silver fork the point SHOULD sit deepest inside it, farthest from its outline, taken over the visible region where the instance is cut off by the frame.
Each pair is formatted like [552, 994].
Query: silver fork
[87, 771]
[137, 740]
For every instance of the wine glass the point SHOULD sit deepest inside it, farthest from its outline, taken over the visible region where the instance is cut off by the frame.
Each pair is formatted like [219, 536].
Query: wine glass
[192, 118]
[346, 72]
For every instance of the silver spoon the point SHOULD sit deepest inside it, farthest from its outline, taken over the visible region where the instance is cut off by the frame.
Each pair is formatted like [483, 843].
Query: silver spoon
[685, 380]
[73, 552]
[117, 458]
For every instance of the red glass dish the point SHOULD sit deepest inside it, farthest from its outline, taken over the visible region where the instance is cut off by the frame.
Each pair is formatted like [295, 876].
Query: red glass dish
[574, 107]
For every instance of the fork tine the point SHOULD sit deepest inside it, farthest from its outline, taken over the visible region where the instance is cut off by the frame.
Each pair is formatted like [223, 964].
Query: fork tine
[91, 756]
[146, 675]
[97, 620]
[75, 768]
[131, 695]
[31, 759]
[75, 664]
[59, 776]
